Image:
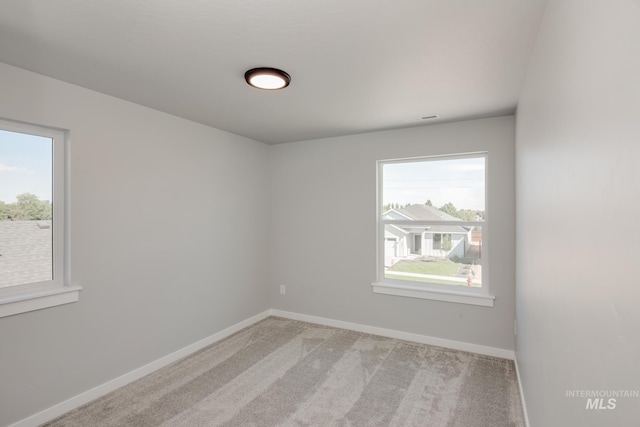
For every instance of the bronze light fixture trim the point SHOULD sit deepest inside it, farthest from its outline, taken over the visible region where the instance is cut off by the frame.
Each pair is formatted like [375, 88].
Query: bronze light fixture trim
[267, 78]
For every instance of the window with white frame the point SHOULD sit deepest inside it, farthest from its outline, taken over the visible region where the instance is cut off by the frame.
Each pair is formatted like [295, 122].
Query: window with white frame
[33, 225]
[432, 217]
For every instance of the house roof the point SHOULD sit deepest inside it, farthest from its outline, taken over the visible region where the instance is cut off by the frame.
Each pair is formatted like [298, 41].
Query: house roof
[419, 212]
[425, 213]
[25, 252]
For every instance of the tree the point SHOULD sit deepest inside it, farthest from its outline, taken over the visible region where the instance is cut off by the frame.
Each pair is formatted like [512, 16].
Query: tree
[467, 214]
[450, 209]
[27, 208]
[428, 203]
[463, 214]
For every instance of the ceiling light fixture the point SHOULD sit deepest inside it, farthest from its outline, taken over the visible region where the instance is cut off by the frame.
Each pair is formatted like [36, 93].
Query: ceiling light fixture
[267, 78]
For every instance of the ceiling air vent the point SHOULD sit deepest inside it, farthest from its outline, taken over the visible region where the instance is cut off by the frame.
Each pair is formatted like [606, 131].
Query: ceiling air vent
[421, 118]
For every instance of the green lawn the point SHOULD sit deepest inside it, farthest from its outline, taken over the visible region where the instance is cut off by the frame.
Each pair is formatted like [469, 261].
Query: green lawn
[439, 267]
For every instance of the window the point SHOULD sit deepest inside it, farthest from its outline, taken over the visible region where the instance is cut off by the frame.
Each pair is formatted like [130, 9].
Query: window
[437, 241]
[417, 243]
[33, 257]
[433, 209]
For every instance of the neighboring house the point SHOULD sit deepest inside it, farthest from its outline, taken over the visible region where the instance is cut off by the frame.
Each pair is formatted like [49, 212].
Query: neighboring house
[438, 241]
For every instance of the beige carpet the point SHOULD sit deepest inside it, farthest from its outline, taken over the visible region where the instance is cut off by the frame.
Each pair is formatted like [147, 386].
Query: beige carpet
[282, 372]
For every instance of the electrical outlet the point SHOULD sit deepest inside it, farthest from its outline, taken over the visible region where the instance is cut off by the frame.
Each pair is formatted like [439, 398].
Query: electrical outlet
[282, 290]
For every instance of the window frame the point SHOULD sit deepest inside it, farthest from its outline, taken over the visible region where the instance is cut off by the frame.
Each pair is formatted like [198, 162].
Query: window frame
[57, 291]
[427, 290]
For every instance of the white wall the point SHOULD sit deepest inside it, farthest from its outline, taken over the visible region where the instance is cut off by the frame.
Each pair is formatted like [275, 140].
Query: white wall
[323, 246]
[166, 217]
[578, 183]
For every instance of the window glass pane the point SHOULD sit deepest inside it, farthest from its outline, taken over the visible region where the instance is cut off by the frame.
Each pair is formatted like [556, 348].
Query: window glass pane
[447, 255]
[434, 189]
[26, 230]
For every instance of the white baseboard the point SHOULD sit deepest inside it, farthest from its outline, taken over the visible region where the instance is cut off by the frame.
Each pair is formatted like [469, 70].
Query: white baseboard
[99, 391]
[390, 333]
[524, 405]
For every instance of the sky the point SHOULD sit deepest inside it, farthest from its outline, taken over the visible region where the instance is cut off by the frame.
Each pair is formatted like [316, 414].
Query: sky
[460, 181]
[25, 166]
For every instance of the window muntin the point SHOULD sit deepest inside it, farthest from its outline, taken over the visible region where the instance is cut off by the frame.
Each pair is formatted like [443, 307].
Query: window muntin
[435, 210]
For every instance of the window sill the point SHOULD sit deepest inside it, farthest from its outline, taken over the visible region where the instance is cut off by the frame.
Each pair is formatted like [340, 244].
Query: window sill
[417, 291]
[36, 300]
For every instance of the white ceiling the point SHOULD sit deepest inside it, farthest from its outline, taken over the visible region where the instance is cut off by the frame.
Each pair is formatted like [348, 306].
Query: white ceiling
[356, 65]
